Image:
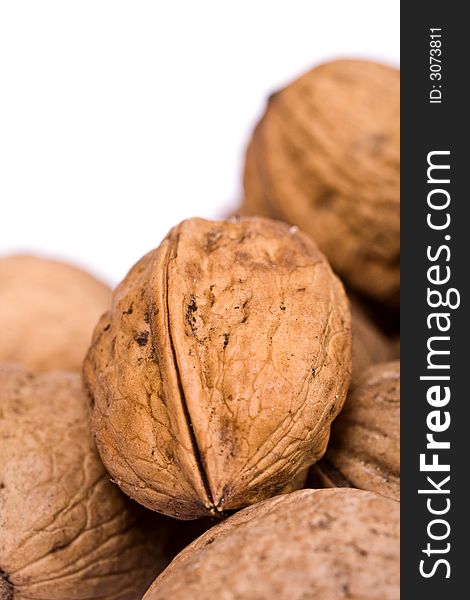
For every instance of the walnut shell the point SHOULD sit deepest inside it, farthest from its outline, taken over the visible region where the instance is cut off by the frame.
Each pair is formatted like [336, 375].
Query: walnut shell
[325, 156]
[369, 344]
[311, 544]
[364, 449]
[48, 311]
[218, 371]
[66, 531]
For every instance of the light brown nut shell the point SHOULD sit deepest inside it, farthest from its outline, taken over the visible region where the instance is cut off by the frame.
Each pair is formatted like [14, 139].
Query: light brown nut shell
[218, 371]
[364, 449]
[308, 545]
[66, 531]
[369, 344]
[325, 156]
[48, 311]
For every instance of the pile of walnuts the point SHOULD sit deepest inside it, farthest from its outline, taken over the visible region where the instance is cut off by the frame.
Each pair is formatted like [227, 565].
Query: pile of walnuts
[212, 378]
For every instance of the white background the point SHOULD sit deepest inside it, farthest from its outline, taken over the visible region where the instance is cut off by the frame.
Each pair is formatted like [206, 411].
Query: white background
[119, 119]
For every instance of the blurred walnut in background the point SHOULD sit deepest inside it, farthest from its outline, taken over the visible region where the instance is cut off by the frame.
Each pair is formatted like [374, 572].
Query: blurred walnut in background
[364, 449]
[48, 310]
[325, 157]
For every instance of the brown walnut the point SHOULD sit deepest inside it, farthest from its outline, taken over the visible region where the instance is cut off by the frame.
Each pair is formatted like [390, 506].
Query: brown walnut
[308, 545]
[218, 370]
[66, 531]
[325, 156]
[364, 449]
[48, 311]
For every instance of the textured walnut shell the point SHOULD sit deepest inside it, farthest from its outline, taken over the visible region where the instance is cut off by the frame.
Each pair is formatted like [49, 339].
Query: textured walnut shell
[66, 531]
[218, 371]
[364, 449]
[325, 156]
[311, 544]
[369, 344]
[48, 311]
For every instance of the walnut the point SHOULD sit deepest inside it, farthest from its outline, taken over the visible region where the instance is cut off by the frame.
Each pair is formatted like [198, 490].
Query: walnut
[220, 366]
[311, 544]
[325, 156]
[364, 449]
[66, 531]
[48, 311]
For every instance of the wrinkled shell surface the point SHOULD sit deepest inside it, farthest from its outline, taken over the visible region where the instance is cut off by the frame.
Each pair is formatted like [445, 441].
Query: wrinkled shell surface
[308, 545]
[48, 311]
[66, 531]
[218, 371]
[369, 344]
[364, 449]
[325, 156]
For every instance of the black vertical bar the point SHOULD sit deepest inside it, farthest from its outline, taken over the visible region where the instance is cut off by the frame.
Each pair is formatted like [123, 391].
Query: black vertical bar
[430, 127]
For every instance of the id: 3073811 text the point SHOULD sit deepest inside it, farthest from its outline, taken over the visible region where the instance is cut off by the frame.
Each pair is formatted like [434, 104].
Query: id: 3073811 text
[435, 65]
